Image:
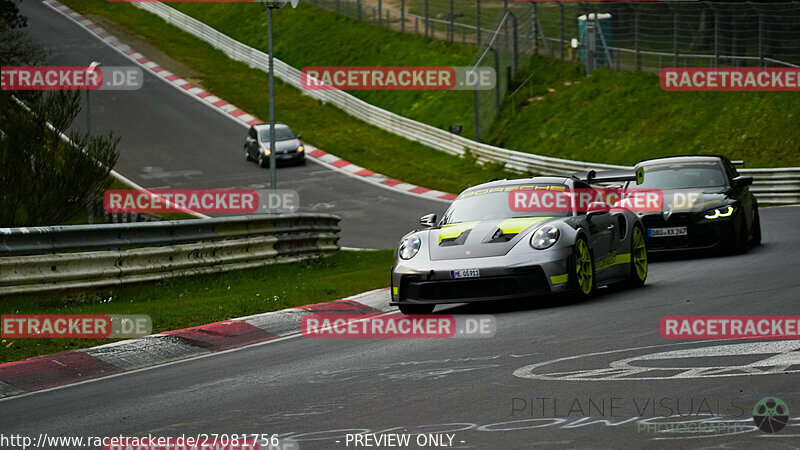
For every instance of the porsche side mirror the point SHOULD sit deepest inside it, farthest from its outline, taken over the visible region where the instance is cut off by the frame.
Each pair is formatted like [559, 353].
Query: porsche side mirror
[740, 181]
[428, 220]
[597, 208]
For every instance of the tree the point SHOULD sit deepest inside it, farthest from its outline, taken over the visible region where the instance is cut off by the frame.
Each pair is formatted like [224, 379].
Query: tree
[9, 13]
[44, 179]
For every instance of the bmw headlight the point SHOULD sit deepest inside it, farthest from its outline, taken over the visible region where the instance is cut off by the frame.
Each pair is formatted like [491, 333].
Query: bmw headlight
[544, 237]
[265, 151]
[409, 247]
[717, 213]
[300, 149]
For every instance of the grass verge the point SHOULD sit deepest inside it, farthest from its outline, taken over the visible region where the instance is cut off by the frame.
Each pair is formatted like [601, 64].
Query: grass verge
[622, 118]
[191, 301]
[614, 118]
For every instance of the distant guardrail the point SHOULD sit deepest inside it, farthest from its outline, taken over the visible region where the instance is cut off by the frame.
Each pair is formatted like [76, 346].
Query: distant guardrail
[42, 259]
[773, 186]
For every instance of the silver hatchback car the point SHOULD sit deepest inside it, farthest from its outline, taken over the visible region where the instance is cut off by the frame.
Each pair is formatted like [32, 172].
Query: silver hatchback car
[288, 148]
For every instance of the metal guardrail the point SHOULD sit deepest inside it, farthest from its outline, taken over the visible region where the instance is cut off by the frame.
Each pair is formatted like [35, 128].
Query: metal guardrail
[42, 259]
[773, 186]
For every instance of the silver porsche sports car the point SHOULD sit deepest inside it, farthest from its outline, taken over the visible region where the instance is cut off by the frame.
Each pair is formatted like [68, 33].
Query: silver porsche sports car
[520, 238]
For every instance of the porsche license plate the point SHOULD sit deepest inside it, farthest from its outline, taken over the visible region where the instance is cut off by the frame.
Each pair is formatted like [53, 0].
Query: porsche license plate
[667, 232]
[465, 273]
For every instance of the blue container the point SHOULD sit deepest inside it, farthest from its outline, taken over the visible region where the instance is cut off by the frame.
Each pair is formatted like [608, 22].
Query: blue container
[606, 28]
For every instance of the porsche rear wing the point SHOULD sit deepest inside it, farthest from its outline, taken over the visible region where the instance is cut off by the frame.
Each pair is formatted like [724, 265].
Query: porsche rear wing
[611, 176]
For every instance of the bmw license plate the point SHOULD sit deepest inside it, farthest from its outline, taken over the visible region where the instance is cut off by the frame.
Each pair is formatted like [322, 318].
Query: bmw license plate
[465, 273]
[667, 232]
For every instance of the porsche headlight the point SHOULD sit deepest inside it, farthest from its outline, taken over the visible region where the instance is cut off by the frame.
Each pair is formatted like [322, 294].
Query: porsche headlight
[717, 213]
[545, 237]
[409, 247]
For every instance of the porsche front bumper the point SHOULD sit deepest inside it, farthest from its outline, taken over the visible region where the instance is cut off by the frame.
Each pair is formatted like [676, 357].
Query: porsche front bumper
[501, 278]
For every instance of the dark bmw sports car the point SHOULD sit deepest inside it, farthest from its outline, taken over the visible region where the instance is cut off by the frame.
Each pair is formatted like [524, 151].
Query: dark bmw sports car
[491, 244]
[707, 205]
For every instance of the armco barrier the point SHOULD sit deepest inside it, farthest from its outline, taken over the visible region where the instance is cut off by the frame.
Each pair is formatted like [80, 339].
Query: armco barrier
[29, 261]
[775, 186]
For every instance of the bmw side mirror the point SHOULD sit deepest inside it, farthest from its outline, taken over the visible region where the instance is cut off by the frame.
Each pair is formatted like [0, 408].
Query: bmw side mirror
[428, 220]
[740, 181]
[299, 136]
[597, 208]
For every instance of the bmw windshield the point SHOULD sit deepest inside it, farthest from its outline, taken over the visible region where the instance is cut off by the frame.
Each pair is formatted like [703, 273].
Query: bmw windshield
[690, 175]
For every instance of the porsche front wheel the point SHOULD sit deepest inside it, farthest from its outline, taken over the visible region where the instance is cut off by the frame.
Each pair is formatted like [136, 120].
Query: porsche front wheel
[582, 273]
[638, 258]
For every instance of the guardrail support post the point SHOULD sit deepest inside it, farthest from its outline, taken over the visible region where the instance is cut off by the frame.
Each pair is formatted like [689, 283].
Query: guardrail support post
[427, 18]
[760, 39]
[452, 33]
[497, 71]
[477, 115]
[636, 47]
[478, 21]
[402, 16]
[561, 26]
[595, 32]
[675, 37]
[515, 43]
[534, 30]
[716, 39]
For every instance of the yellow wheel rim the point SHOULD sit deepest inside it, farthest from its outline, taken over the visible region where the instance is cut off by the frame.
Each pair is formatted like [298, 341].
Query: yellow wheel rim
[639, 254]
[583, 267]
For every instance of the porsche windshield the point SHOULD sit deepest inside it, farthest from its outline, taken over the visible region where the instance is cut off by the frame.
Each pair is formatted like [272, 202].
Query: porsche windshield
[509, 201]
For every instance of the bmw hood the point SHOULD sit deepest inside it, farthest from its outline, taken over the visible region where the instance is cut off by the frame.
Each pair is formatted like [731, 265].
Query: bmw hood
[480, 239]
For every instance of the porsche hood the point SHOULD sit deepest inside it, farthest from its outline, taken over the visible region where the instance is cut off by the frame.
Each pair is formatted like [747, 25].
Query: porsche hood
[479, 239]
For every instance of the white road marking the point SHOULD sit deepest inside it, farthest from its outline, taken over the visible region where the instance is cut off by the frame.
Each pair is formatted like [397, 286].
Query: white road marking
[774, 357]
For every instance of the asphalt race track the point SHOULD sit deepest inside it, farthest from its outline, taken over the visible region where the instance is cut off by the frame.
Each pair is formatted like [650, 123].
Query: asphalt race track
[518, 389]
[172, 141]
[316, 390]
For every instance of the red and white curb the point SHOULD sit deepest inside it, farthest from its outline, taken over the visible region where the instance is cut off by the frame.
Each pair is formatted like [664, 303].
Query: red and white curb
[61, 369]
[231, 111]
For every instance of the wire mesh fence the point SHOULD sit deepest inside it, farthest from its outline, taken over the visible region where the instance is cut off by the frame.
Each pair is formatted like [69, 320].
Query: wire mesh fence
[646, 36]
[638, 35]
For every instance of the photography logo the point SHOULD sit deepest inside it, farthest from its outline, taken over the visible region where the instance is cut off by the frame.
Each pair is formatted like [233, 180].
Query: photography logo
[771, 414]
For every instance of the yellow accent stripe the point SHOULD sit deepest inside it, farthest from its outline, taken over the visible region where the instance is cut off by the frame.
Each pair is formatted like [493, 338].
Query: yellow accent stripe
[612, 259]
[559, 279]
[395, 290]
[517, 224]
[455, 230]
